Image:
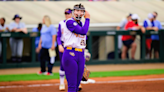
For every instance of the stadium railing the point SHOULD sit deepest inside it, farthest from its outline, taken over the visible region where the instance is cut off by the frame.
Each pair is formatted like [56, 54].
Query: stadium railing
[122, 32]
[34, 63]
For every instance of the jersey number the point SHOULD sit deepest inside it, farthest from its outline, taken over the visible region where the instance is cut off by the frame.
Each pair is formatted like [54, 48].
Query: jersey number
[82, 43]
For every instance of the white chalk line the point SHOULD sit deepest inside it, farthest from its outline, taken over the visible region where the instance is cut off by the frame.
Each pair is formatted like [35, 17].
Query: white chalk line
[98, 82]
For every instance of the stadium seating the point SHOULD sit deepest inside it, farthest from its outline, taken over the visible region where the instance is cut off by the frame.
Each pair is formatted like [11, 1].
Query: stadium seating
[101, 12]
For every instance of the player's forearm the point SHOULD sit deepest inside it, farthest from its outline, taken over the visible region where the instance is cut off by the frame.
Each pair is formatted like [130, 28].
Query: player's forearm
[149, 28]
[59, 40]
[40, 42]
[24, 29]
[12, 30]
[82, 30]
[18, 30]
[1, 31]
[59, 33]
[118, 28]
[53, 40]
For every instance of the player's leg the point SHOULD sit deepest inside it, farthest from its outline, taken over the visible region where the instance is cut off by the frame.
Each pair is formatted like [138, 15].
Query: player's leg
[13, 46]
[42, 59]
[19, 49]
[133, 49]
[71, 68]
[51, 61]
[0, 47]
[81, 63]
[156, 48]
[148, 48]
[61, 73]
[124, 49]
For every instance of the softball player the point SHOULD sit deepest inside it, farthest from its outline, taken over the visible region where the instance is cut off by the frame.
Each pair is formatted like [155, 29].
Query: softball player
[68, 14]
[74, 37]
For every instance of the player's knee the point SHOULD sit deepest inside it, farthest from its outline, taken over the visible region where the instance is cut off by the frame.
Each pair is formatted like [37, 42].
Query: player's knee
[61, 72]
[134, 45]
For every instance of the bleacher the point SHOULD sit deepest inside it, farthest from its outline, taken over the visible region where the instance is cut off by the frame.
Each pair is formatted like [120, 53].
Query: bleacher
[101, 12]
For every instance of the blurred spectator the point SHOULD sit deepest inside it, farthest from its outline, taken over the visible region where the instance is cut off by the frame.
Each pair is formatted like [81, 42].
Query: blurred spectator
[149, 25]
[37, 29]
[47, 45]
[3, 28]
[121, 27]
[16, 43]
[128, 40]
[124, 22]
[155, 38]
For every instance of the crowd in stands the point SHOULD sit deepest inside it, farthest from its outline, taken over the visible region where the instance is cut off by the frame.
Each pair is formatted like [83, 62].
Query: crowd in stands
[152, 41]
[45, 45]
[16, 43]
[128, 41]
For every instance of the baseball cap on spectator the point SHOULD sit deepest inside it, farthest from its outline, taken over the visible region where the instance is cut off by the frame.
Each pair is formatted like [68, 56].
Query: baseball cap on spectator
[17, 16]
[68, 11]
[135, 16]
[150, 16]
[130, 14]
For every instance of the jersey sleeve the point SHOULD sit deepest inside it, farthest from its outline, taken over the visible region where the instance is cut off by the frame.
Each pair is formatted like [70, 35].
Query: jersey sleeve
[159, 25]
[59, 33]
[74, 27]
[122, 23]
[23, 25]
[34, 30]
[53, 30]
[145, 24]
[11, 26]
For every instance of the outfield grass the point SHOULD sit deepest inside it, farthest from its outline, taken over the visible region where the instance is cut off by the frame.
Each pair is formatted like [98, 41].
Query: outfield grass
[27, 77]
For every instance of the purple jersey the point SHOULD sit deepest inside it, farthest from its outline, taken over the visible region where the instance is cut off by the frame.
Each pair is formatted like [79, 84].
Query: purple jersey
[75, 34]
[60, 32]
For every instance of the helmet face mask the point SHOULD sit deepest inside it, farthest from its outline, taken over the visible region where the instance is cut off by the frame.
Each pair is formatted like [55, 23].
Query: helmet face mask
[78, 11]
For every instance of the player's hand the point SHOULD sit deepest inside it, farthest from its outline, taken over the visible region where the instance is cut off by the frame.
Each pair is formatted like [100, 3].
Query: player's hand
[61, 49]
[143, 30]
[155, 28]
[87, 15]
[24, 30]
[14, 29]
[37, 50]
[7, 28]
[52, 47]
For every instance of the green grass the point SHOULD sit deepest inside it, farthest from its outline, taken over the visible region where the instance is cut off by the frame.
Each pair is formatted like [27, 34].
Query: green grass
[27, 77]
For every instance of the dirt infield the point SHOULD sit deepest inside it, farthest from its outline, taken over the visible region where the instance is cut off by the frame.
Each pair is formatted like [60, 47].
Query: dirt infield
[148, 83]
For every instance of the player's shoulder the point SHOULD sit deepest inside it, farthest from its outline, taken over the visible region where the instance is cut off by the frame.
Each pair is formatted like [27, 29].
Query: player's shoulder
[71, 22]
[12, 23]
[34, 29]
[124, 20]
[52, 26]
[130, 22]
[62, 21]
[157, 21]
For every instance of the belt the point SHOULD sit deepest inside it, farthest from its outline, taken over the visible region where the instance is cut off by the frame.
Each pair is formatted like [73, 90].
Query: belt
[76, 49]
